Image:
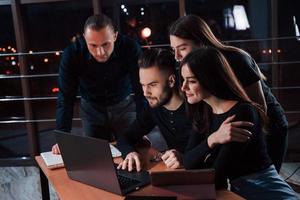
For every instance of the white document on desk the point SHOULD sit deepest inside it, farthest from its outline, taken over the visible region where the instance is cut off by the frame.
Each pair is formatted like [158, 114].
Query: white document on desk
[114, 151]
[51, 160]
[54, 161]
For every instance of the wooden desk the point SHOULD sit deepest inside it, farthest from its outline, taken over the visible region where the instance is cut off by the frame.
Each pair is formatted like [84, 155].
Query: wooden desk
[68, 189]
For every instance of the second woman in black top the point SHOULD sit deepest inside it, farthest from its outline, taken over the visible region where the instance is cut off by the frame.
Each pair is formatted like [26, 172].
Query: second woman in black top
[215, 100]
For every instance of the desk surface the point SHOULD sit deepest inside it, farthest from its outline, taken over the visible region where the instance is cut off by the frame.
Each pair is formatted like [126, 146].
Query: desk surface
[67, 188]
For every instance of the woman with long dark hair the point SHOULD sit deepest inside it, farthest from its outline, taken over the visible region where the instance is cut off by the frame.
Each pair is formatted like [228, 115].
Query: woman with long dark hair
[214, 95]
[190, 32]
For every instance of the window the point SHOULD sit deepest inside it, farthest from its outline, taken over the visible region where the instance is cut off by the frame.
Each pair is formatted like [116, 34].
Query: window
[156, 16]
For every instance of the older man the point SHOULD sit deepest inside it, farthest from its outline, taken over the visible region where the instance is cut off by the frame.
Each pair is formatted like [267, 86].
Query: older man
[102, 65]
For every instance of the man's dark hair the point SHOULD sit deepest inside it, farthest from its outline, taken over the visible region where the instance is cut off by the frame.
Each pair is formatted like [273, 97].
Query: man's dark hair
[161, 58]
[97, 22]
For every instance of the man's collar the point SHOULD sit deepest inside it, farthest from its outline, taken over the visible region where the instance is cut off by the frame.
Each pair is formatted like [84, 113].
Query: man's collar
[176, 104]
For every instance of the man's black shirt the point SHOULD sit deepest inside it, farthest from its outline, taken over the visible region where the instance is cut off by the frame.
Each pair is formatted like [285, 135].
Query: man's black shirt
[174, 126]
[103, 84]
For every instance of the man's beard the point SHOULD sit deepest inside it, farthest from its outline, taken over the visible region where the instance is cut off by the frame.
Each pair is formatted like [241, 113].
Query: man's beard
[164, 98]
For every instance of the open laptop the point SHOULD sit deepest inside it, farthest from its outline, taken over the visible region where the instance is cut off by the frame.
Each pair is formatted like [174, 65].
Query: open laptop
[89, 161]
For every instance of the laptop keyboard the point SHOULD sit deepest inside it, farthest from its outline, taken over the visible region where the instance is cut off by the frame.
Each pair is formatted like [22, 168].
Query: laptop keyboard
[126, 182]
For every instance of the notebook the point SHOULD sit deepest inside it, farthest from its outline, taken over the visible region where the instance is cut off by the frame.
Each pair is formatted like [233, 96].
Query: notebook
[89, 160]
[54, 161]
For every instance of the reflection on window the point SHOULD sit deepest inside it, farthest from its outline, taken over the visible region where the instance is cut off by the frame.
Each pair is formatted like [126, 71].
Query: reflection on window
[147, 21]
[240, 18]
[297, 33]
[236, 18]
[228, 18]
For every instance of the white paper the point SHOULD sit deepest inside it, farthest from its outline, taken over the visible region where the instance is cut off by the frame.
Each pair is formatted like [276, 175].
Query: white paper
[52, 161]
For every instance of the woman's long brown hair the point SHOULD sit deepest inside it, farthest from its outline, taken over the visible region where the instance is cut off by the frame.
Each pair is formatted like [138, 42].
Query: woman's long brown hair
[215, 75]
[195, 29]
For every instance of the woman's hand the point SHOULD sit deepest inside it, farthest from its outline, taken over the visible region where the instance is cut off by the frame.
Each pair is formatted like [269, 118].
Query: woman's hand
[230, 132]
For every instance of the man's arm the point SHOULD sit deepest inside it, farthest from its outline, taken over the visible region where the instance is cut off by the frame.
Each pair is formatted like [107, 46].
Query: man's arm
[68, 87]
[134, 133]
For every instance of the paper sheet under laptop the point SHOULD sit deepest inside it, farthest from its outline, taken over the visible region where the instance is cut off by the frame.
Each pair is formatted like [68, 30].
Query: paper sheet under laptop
[51, 160]
[114, 151]
[54, 161]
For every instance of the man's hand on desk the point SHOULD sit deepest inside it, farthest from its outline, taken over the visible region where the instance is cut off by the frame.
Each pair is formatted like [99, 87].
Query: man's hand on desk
[132, 161]
[172, 159]
[55, 149]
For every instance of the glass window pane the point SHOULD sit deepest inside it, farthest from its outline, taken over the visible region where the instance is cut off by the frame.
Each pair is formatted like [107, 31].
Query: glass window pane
[13, 140]
[134, 16]
[289, 60]
[233, 21]
[9, 110]
[7, 36]
[8, 63]
[289, 29]
[48, 27]
[9, 87]
[51, 26]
